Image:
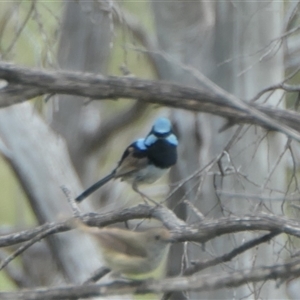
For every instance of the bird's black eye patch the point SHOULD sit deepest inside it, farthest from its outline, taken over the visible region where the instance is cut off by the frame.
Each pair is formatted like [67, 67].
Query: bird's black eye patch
[157, 237]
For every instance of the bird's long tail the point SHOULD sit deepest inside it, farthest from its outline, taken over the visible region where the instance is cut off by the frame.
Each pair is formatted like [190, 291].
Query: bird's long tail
[95, 187]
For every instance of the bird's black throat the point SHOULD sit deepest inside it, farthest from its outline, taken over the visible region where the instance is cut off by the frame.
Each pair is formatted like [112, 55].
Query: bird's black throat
[162, 154]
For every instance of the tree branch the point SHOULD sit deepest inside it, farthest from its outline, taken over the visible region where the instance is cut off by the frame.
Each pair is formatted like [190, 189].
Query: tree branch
[201, 265]
[25, 82]
[201, 232]
[166, 216]
[188, 283]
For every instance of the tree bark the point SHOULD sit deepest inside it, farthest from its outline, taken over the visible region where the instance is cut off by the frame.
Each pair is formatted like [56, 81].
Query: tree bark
[40, 160]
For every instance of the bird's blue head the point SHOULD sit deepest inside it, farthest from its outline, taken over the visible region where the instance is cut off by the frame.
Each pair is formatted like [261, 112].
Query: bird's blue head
[162, 128]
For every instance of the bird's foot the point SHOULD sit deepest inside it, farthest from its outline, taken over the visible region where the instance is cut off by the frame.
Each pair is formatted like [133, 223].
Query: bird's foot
[148, 199]
[144, 196]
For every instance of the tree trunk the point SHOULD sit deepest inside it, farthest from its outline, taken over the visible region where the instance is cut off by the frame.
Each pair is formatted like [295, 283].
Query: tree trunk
[43, 168]
[84, 46]
[202, 36]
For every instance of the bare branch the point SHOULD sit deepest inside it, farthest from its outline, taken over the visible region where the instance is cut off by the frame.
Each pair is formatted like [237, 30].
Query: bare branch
[192, 283]
[218, 102]
[201, 265]
[201, 232]
[98, 274]
[24, 247]
[209, 229]
[16, 273]
[142, 211]
[21, 28]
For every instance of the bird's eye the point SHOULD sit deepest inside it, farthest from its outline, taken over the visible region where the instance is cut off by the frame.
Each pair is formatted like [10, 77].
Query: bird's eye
[157, 237]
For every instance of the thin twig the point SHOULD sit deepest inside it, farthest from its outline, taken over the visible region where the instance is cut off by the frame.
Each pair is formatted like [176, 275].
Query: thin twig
[97, 275]
[201, 265]
[18, 33]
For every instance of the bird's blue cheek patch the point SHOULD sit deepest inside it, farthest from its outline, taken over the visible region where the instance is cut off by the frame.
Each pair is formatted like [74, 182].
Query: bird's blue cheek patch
[140, 143]
[151, 139]
[172, 139]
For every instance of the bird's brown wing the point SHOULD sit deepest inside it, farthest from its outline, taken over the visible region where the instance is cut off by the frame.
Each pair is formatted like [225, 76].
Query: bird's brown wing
[131, 163]
[118, 243]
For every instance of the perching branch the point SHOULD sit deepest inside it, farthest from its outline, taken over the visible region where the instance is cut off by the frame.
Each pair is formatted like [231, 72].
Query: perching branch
[166, 216]
[202, 232]
[27, 83]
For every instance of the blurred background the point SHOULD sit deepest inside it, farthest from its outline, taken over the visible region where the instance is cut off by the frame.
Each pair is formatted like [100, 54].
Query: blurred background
[62, 140]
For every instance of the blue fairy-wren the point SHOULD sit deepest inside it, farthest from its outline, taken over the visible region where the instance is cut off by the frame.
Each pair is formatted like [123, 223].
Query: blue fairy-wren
[145, 160]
